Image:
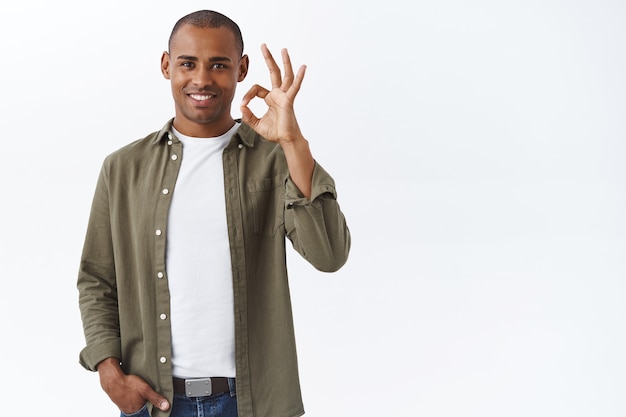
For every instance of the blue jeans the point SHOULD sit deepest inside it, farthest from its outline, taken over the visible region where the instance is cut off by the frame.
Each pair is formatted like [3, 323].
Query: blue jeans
[221, 405]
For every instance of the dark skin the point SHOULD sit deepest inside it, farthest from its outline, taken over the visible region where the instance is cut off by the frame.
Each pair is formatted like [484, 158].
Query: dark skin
[128, 392]
[204, 67]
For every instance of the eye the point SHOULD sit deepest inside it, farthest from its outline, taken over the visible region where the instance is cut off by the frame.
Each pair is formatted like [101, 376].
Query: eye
[218, 66]
[187, 64]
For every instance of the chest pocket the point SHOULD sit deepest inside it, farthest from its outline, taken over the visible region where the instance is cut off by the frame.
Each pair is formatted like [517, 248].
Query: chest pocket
[268, 205]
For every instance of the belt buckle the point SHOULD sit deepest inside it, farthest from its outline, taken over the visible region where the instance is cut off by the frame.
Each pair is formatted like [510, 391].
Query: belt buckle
[198, 387]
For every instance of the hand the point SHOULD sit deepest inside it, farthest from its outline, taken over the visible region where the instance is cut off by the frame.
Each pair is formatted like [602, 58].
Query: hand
[129, 392]
[279, 123]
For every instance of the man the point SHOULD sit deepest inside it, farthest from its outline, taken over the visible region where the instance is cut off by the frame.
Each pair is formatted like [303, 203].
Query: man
[183, 284]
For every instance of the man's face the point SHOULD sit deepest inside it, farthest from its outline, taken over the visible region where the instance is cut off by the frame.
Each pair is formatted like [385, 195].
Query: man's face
[204, 67]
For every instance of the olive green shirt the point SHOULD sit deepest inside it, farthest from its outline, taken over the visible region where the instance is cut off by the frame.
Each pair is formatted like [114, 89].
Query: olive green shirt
[123, 283]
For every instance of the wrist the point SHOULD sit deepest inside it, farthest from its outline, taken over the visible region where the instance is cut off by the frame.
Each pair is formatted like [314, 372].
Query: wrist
[108, 369]
[108, 363]
[296, 143]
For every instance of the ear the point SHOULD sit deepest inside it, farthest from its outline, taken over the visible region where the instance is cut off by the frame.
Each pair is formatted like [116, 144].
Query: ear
[165, 65]
[243, 68]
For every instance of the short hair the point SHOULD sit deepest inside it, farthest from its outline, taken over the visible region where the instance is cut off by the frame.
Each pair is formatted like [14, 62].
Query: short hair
[209, 19]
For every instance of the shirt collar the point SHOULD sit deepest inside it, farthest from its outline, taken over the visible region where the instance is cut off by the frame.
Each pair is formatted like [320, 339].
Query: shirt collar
[244, 134]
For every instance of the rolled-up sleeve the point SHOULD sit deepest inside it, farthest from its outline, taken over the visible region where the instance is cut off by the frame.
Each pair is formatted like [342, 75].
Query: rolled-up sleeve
[316, 226]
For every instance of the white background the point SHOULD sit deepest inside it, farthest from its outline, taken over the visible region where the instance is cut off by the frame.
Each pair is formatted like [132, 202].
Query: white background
[478, 150]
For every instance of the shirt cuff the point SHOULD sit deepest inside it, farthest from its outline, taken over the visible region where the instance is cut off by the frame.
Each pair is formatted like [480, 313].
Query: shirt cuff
[92, 355]
[322, 185]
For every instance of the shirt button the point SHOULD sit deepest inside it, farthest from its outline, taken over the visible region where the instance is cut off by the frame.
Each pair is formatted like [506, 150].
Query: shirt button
[163, 316]
[160, 275]
[169, 142]
[169, 135]
[174, 157]
[158, 232]
[165, 191]
[162, 359]
[240, 146]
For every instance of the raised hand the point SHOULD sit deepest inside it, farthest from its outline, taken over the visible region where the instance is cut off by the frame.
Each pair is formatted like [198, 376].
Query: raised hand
[279, 123]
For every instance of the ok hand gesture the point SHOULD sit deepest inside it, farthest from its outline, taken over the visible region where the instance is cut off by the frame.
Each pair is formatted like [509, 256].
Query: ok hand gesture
[279, 123]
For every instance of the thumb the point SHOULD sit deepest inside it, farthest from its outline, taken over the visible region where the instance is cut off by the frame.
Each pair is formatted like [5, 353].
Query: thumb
[248, 117]
[158, 400]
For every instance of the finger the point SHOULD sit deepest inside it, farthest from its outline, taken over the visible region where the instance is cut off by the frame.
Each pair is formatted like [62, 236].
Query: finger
[297, 82]
[133, 409]
[288, 74]
[272, 66]
[157, 399]
[148, 394]
[254, 91]
[248, 117]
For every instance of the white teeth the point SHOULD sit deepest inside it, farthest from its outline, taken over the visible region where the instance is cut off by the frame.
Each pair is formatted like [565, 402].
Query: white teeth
[199, 97]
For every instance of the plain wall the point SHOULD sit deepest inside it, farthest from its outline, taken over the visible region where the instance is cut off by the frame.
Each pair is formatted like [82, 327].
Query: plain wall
[478, 151]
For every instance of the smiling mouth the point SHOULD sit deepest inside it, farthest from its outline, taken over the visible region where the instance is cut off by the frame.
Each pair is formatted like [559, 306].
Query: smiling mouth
[201, 97]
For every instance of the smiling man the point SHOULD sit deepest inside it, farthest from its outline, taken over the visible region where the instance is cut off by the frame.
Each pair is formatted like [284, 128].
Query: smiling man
[204, 65]
[183, 284]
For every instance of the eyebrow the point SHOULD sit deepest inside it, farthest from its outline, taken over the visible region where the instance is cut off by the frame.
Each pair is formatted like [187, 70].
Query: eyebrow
[212, 59]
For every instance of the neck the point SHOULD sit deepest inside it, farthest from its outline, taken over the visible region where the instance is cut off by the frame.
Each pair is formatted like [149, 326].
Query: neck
[203, 130]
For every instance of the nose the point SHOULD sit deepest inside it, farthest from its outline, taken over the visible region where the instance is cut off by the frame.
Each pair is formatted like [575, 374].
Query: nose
[202, 77]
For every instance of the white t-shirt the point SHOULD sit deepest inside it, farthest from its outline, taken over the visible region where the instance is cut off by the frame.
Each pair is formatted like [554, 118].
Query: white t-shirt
[198, 263]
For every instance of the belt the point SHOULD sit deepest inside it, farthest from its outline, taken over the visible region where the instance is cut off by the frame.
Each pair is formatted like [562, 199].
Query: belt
[201, 387]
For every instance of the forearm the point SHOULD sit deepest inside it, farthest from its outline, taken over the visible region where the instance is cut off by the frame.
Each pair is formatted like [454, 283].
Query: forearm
[320, 234]
[316, 226]
[300, 163]
[99, 311]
